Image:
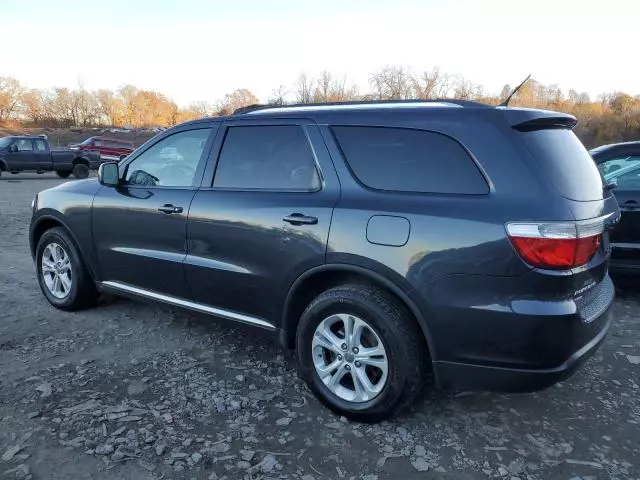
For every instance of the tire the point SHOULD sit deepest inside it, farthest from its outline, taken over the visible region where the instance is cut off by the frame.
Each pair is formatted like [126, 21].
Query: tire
[63, 174]
[80, 170]
[82, 292]
[388, 319]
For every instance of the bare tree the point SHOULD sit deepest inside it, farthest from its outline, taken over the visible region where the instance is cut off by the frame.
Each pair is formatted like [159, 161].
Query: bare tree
[111, 107]
[201, 109]
[33, 105]
[10, 95]
[304, 89]
[391, 83]
[278, 96]
[433, 84]
[237, 99]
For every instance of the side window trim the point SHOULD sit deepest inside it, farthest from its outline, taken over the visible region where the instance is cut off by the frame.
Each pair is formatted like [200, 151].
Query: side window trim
[202, 162]
[216, 150]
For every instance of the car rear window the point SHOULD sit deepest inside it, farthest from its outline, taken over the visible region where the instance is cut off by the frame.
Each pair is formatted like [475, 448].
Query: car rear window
[407, 160]
[566, 162]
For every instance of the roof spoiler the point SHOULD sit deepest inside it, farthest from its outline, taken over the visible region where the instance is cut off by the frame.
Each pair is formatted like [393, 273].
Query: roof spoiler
[529, 119]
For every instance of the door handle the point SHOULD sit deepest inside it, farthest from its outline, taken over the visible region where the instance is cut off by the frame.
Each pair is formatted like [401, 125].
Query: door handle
[300, 219]
[168, 208]
[630, 205]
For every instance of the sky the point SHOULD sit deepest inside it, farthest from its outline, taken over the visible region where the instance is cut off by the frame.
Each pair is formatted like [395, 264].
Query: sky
[199, 50]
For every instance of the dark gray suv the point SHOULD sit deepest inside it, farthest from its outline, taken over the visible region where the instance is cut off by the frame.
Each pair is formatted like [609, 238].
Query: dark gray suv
[390, 243]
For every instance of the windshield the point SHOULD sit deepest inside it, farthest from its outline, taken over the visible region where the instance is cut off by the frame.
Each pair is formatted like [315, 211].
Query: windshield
[87, 141]
[4, 141]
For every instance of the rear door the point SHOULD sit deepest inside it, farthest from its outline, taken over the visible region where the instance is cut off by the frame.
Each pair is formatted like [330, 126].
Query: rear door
[41, 154]
[623, 174]
[262, 220]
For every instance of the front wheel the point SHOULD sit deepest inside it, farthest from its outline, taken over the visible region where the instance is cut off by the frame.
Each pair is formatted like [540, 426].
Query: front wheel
[361, 352]
[63, 174]
[80, 170]
[62, 274]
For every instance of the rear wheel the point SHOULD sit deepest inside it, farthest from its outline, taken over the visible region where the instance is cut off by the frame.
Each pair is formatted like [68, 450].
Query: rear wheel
[63, 174]
[361, 352]
[80, 170]
[62, 274]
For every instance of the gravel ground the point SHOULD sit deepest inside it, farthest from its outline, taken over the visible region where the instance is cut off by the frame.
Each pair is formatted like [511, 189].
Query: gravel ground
[129, 390]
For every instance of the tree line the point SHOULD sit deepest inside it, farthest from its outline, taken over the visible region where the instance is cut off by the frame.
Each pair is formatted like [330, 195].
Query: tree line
[611, 117]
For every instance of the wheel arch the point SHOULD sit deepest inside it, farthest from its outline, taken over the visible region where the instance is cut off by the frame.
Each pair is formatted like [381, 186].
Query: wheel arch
[318, 279]
[81, 160]
[46, 222]
[3, 165]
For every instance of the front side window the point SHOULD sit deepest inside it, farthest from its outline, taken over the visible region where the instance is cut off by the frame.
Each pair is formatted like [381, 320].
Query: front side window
[40, 146]
[274, 157]
[154, 168]
[24, 145]
[97, 143]
[406, 160]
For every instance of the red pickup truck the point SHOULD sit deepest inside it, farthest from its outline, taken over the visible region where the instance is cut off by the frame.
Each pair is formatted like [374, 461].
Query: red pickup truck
[110, 149]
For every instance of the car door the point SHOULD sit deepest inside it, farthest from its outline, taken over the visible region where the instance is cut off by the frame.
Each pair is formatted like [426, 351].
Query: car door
[21, 155]
[262, 220]
[41, 154]
[623, 174]
[139, 227]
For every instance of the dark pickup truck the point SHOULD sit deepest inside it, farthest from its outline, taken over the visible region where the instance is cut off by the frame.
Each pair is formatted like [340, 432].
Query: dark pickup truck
[33, 154]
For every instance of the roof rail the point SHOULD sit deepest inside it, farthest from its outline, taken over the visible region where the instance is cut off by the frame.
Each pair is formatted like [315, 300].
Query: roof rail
[252, 107]
[462, 103]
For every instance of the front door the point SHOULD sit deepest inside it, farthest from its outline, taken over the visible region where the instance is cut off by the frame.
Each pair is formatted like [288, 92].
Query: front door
[21, 155]
[262, 220]
[624, 175]
[139, 228]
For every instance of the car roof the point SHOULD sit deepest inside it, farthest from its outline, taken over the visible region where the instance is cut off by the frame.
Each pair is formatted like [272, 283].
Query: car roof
[611, 151]
[112, 139]
[403, 111]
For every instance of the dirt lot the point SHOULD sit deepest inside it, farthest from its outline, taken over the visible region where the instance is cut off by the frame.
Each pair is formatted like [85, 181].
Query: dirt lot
[133, 391]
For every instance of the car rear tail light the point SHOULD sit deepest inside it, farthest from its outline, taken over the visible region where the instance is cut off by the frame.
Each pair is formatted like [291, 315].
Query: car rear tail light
[557, 245]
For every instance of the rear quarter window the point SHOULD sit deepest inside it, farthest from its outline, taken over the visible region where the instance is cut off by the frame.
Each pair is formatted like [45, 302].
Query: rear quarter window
[407, 160]
[566, 163]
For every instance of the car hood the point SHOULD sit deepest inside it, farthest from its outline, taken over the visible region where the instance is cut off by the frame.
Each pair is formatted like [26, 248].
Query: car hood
[87, 186]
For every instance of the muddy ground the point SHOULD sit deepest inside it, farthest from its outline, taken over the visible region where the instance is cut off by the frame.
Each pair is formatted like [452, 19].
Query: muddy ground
[135, 391]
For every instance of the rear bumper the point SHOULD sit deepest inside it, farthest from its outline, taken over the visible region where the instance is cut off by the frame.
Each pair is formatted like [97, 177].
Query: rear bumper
[494, 378]
[499, 336]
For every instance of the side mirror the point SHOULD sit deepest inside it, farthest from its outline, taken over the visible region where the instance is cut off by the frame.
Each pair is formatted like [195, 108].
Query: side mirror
[612, 183]
[108, 174]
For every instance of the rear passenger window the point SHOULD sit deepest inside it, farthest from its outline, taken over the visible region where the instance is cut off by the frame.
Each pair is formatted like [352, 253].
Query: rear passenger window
[405, 160]
[276, 157]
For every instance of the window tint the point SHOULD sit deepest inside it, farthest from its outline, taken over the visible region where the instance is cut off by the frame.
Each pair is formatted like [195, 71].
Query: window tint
[24, 145]
[275, 157]
[629, 180]
[40, 146]
[616, 165]
[97, 143]
[566, 162]
[155, 168]
[405, 160]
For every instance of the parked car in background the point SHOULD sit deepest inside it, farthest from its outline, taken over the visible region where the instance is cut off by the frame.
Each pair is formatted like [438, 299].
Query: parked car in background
[34, 154]
[620, 166]
[110, 149]
[387, 242]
